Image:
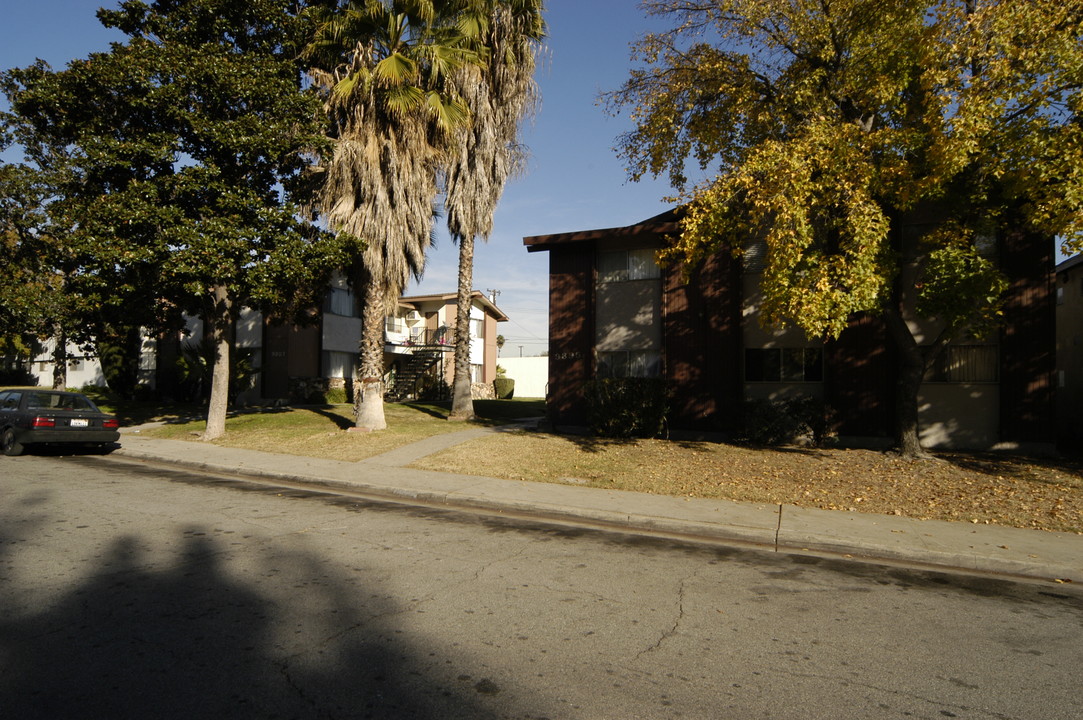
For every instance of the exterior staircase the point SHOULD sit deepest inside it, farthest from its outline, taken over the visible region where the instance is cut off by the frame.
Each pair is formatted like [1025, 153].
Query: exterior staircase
[413, 368]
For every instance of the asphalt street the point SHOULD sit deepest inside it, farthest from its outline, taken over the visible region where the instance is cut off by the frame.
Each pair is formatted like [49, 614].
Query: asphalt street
[133, 591]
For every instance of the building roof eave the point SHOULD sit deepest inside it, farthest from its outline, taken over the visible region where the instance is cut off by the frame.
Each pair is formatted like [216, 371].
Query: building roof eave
[1070, 263]
[412, 302]
[665, 224]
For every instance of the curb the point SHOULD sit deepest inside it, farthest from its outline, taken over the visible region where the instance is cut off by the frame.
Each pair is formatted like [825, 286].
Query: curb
[1008, 553]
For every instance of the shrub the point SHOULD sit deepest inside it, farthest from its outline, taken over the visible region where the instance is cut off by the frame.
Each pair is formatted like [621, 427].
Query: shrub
[627, 407]
[431, 388]
[504, 388]
[783, 422]
[17, 376]
[816, 415]
[307, 390]
[335, 396]
[196, 365]
[97, 393]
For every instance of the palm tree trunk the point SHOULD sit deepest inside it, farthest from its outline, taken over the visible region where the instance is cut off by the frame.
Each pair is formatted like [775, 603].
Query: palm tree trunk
[369, 390]
[462, 400]
[219, 320]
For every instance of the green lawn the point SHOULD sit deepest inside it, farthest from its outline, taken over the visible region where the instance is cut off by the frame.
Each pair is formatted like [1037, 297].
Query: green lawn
[320, 431]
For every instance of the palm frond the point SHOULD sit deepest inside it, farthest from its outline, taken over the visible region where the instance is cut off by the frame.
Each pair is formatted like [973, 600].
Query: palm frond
[396, 69]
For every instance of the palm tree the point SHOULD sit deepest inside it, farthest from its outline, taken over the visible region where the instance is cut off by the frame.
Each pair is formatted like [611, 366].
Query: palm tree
[499, 93]
[383, 68]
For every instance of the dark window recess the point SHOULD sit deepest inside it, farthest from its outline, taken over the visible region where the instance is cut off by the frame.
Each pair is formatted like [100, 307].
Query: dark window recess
[965, 363]
[629, 363]
[784, 365]
[624, 265]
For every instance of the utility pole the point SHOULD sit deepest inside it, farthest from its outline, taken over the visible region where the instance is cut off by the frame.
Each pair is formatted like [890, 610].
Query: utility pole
[520, 351]
[493, 295]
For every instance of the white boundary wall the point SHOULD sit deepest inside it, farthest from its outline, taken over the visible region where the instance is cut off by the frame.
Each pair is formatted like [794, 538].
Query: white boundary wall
[531, 375]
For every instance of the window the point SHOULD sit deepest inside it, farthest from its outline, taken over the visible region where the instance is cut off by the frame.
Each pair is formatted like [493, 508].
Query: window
[394, 324]
[339, 364]
[629, 363]
[784, 365]
[54, 400]
[475, 373]
[477, 328]
[625, 265]
[755, 256]
[965, 363]
[340, 302]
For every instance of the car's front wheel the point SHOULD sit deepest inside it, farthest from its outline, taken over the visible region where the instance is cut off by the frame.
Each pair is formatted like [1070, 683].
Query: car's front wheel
[9, 444]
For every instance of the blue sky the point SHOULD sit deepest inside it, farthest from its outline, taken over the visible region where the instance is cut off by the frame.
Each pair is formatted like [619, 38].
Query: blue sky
[575, 181]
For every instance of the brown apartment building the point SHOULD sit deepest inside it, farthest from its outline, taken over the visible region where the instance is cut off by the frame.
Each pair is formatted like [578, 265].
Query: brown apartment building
[1069, 295]
[614, 312]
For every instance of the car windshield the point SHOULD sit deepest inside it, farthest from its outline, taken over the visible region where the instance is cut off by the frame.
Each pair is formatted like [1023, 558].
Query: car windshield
[58, 401]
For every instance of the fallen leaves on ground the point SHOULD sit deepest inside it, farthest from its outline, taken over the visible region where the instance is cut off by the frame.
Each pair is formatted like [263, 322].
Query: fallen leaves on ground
[991, 488]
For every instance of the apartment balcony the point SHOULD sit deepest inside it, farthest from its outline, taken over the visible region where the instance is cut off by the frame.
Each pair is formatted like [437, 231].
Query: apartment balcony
[411, 340]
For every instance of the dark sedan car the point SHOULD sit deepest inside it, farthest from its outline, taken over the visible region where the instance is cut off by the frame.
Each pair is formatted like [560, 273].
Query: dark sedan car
[47, 417]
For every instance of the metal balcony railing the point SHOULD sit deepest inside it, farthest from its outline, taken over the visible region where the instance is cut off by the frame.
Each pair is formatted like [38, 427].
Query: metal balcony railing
[443, 337]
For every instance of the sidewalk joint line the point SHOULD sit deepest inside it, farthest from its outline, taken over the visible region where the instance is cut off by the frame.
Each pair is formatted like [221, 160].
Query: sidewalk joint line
[778, 528]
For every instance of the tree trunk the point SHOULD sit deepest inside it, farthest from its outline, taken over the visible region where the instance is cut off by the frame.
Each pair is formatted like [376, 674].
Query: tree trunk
[462, 399]
[911, 371]
[219, 321]
[60, 360]
[369, 392]
[912, 365]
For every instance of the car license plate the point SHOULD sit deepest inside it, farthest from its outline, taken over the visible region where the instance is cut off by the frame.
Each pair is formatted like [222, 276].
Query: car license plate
[79, 422]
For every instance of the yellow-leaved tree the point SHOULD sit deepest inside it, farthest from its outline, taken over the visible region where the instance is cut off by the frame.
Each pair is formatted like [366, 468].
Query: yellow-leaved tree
[876, 149]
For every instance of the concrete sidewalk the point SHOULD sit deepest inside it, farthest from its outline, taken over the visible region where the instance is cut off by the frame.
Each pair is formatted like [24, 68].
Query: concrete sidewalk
[984, 549]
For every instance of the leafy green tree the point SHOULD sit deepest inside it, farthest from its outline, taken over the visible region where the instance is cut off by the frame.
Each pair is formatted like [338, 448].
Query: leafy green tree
[840, 128]
[383, 69]
[498, 92]
[35, 302]
[187, 139]
[25, 286]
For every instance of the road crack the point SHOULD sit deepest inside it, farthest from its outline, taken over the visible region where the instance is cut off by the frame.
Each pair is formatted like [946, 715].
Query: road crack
[672, 630]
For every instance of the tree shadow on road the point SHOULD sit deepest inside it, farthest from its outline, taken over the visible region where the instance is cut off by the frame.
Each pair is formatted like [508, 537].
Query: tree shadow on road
[201, 637]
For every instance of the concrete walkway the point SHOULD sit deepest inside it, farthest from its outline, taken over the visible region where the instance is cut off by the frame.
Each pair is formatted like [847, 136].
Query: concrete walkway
[984, 549]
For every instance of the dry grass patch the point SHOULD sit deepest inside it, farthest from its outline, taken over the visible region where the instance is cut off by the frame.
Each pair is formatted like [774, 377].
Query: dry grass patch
[979, 488]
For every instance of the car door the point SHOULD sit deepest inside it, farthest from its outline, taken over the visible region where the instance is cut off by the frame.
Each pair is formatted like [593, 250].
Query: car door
[9, 408]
